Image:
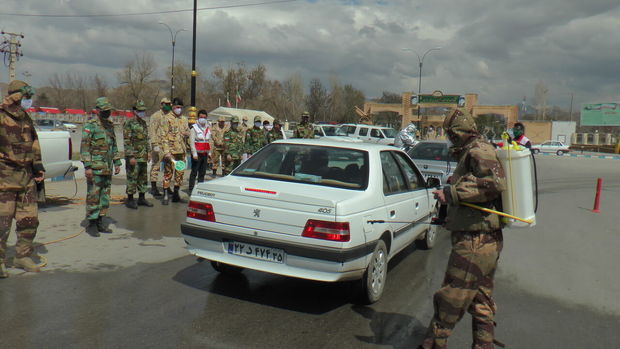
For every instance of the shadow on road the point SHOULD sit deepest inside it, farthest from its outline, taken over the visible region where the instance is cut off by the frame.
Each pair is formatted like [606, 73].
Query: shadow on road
[396, 330]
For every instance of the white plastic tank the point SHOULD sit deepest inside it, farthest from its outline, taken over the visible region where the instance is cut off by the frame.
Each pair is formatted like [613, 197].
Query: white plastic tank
[518, 199]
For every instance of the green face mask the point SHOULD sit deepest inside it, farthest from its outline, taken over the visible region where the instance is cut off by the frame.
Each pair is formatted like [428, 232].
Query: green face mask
[166, 107]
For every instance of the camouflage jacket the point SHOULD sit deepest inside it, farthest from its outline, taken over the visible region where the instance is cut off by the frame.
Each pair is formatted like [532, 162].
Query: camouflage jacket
[304, 131]
[98, 150]
[173, 134]
[244, 130]
[154, 123]
[217, 136]
[20, 153]
[136, 136]
[274, 135]
[233, 144]
[254, 140]
[478, 179]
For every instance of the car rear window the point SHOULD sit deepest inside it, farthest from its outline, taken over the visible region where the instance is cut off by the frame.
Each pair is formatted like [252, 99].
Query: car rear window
[429, 151]
[311, 164]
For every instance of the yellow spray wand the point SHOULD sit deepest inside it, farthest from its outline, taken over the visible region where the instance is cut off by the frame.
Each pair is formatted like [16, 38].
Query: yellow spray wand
[488, 210]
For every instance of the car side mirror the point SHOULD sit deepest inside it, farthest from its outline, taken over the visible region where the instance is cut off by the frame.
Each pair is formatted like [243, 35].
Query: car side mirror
[433, 182]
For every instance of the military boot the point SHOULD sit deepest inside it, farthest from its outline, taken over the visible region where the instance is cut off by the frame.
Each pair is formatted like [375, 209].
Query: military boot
[176, 197]
[142, 201]
[131, 203]
[166, 198]
[3, 272]
[214, 173]
[102, 227]
[27, 264]
[92, 229]
[154, 191]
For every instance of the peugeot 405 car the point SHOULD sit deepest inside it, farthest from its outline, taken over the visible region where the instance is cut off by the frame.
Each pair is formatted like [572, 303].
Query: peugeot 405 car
[314, 209]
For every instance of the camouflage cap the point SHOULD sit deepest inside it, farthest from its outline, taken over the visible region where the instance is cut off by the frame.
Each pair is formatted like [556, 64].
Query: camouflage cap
[221, 118]
[304, 114]
[102, 103]
[164, 100]
[257, 118]
[139, 105]
[277, 122]
[20, 86]
[460, 126]
[245, 118]
[234, 119]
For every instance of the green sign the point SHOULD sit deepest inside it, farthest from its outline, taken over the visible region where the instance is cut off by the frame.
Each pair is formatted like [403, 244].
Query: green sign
[600, 114]
[438, 99]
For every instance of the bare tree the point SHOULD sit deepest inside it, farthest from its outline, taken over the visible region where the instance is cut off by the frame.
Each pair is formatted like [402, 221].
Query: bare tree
[100, 85]
[540, 100]
[294, 97]
[336, 105]
[137, 76]
[317, 100]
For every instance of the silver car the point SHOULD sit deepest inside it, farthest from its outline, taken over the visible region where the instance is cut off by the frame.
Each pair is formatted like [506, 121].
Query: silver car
[433, 159]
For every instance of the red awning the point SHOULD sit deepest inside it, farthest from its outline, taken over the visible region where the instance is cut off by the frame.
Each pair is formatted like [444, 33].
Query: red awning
[75, 111]
[125, 113]
[50, 110]
[31, 110]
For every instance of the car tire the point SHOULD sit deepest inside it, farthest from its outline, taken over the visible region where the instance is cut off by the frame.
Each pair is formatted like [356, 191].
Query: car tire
[373, 281]
[226, 269]
[559, 152]
[535, 151]
[430, 236]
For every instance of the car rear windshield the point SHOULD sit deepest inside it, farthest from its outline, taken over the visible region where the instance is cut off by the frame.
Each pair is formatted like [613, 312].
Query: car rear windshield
[389, 132]
[430, 151]
[311, 164]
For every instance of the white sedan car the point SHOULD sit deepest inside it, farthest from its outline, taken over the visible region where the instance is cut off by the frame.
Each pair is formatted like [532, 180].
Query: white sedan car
[314, 209]
[551, 147]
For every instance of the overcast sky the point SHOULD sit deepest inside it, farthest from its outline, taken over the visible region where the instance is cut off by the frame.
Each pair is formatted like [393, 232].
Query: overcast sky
[498, 49]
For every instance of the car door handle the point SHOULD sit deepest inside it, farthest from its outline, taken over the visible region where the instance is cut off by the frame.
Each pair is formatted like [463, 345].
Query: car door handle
[392, 214]
[417, 205]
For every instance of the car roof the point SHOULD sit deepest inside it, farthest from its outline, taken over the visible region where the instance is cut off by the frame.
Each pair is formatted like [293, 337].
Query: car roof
[443, 141]
[338, 144]
[364, 125]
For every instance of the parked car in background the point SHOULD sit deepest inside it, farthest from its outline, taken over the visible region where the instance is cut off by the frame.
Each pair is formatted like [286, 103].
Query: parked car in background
[332, 132]
[551, 147]
[56, 152]
[433, 159]
[370, 133]
[314, 209]
[69, 126]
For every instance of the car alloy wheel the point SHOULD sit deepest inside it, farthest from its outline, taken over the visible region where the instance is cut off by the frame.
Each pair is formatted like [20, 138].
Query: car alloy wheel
[559, 152]
[430, 236]
[373, 282]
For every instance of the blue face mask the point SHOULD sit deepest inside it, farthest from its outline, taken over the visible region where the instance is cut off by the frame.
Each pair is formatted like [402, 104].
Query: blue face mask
[257, 124]
[26, 103]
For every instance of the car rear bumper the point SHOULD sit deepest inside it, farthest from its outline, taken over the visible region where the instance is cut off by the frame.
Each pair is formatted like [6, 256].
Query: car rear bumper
[302, 261]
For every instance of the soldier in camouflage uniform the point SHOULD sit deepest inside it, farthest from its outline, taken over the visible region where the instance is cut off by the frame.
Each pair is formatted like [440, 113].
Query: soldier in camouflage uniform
[476, 236]
[275, 133]
[99, 154]
[20, 168]
[154, 122]
[243, 127]
[136, 136]
[255, 137]
[217, 144]
[173, 137]
[234, 146]
[304, 129]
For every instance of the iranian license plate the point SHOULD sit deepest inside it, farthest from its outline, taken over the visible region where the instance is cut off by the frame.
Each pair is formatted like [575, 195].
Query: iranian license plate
[275, 255]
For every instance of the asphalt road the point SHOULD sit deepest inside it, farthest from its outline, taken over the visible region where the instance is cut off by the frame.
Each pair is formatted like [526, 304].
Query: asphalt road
[557, 284]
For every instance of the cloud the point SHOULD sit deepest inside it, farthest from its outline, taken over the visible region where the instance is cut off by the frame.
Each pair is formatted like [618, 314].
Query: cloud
[497, 49]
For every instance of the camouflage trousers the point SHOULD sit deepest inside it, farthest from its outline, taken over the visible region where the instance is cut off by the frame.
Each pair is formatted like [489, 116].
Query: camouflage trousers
[216, 154]
[467, 286]
[155, 165]
[21, 206]
[98, 196]
[136, 177]
[230, 165]
[169, 171]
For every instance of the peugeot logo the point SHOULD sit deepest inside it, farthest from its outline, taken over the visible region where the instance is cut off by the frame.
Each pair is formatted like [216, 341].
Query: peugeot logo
[257, 213]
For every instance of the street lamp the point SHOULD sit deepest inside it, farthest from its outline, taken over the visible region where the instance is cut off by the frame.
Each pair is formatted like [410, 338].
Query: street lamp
[421, 61]
[173, 38]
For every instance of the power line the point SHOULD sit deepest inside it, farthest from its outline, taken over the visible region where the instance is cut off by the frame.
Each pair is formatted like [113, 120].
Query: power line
[145, 13]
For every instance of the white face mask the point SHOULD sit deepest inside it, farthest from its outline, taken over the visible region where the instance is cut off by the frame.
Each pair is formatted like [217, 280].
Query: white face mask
[202, 121]
[26, 103]
[141, 114]
[177, 111]
[257, 124]
[268, 127]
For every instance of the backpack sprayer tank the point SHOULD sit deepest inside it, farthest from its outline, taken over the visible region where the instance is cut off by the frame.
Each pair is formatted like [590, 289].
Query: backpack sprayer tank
[518, 199]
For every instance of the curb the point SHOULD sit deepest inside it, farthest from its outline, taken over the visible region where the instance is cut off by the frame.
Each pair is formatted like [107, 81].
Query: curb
[606, 157]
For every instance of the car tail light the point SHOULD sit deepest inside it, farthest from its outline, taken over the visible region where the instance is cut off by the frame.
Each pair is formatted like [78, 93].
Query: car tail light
[324, 230]
[200, 210]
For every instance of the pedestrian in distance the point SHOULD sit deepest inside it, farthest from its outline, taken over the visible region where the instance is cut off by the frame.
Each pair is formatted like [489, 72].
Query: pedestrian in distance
[99, 154]
[174, 140]
[518, 131]
[199, 138]
[304, 129]
[276, 132]
[154, 124]
[255, 137]
[217, 144]
[244, 127]
[136, 137]
[20, 168]
[476, 236]
[234, 147]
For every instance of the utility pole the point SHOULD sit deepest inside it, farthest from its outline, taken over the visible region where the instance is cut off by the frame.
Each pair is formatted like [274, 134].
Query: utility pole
[570, 114]
[11, 47]
[192, 109]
